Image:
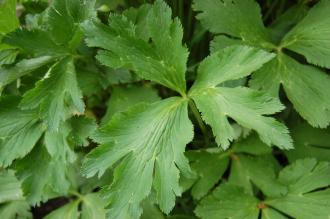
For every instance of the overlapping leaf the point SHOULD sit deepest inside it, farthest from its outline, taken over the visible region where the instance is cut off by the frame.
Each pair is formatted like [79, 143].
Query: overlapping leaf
[19, 130]
[305, 86]
[42, 176]
[15, 210]
[309, 142]
[301, 201]
[302, 83]
[56, 95]
[92, 207]
[247, 107]
[149, 141]
[124, 97]
[10, 187]
[163, 60]
[251, 163]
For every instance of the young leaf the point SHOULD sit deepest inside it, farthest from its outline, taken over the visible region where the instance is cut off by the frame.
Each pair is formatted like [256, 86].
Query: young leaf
[310, 37]
[244, 105]
[166, 130]
[305, 86]
[57, 95]
[162, 60]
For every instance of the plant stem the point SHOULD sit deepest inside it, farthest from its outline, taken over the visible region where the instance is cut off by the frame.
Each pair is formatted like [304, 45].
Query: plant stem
[199, 120]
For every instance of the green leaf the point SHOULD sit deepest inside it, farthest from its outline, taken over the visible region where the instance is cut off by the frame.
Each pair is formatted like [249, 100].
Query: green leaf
[36, 41]
[229, 64]
[19, 130]
[23, 67]
[302, 201]
[269, 213]
[68, 211]
[309, 142]
[166, 130]
[64, 15]
[8, 56]
[82, 128]
[244, 105]
[260, 171]
[58, 146]
[161, 58]
[57, 95]
[8, 18]
[124, 97]
[305, 86]
[310, 37]
[228, 201]
[284, 23]
[93, 207]
[15, 210]
[251, 145]
[221, 41]
[209, 167]
[305, 196]
[42, 176]
[10, 187]
[237, 18]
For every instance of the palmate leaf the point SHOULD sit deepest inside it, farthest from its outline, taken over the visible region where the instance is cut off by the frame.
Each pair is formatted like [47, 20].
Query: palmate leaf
[246, 106]
[163, 60]
[56, 95]
[250, 163]
[301, 201]
[150, 141]
[310, 37]
[302, 84]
